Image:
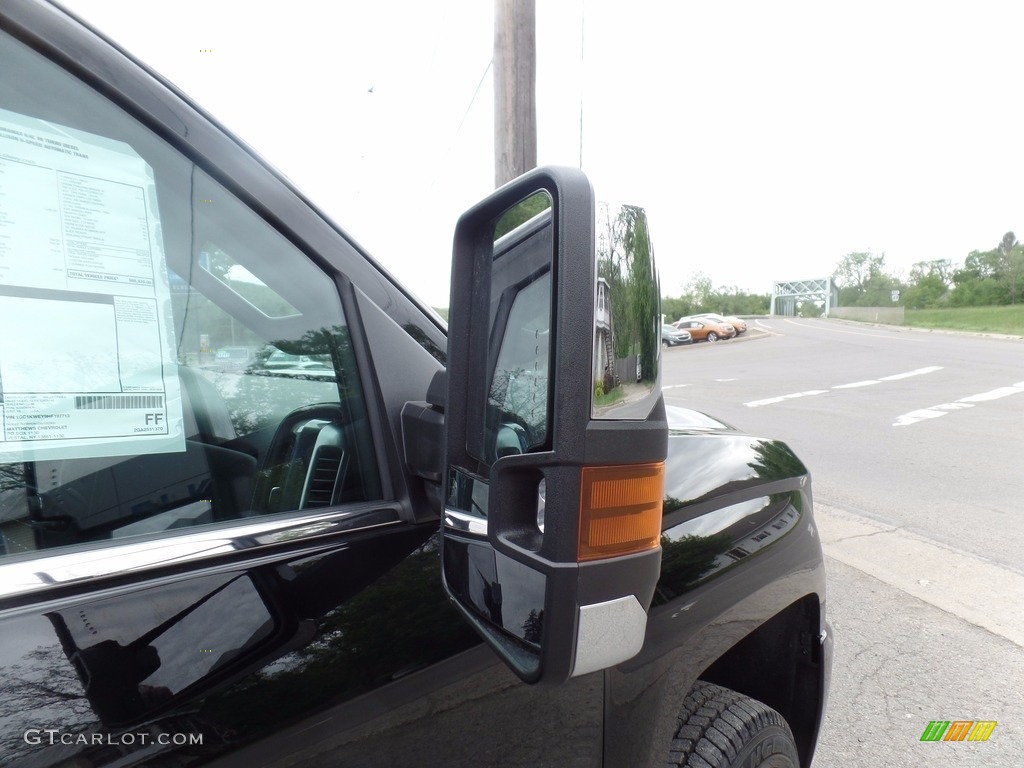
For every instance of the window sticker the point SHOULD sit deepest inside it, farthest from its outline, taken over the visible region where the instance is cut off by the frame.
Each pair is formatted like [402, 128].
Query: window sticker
[86, 344]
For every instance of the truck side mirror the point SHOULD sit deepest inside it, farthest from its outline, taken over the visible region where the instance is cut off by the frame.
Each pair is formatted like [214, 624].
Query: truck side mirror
[552, 524]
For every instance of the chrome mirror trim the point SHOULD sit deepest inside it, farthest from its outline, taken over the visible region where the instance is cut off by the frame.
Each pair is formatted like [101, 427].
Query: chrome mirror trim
[465, 522]
[609, 633]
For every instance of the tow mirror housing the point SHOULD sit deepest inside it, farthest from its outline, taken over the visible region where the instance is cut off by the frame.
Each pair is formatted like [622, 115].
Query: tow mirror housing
[556, 430]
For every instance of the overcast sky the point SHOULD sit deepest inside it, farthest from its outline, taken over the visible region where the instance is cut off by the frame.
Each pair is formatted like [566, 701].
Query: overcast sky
[766, 139]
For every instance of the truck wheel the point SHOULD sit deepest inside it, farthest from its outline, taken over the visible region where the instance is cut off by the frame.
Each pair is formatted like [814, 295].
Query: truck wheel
[719, 728]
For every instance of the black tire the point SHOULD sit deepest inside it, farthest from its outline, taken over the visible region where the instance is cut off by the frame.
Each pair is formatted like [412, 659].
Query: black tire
[719, 728]
[712, 336]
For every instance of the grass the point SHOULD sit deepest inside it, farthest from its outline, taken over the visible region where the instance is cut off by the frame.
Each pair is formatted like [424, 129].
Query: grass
[1007, 319]
[609, 398]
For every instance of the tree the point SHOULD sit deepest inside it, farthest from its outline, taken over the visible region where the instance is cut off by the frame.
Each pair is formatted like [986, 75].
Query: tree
[699, 291]
[863, 281]
[733, 301]
[625, 261]
[929, 284]
[978, 265]
[644, 298]
[879, 289]
[1014, 271]
[699, 296]
[855, 270]
[939, 268]
[674, 307]
[612, 266]
[990, 277]
[1007, 244]
[521, 213]
[978, 282]
[810, 308]
[1011, 264]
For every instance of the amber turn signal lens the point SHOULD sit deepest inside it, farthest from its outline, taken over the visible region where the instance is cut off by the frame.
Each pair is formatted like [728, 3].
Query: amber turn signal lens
[620, 510]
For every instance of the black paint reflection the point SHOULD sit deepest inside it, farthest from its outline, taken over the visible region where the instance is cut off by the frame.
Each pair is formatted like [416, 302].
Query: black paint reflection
[508, 595]
[705, 536]
[374, 632]
[703, 465]
[124, 679]
[702, 547]
[233, 657]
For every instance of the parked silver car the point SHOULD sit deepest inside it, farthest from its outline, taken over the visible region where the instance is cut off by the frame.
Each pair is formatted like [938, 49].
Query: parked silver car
[673, 337]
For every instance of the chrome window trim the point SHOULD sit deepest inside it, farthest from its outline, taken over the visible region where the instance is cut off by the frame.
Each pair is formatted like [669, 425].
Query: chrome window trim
[50, 569]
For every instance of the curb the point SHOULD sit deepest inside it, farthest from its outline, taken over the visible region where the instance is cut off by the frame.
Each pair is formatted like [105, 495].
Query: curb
[754, 333]
[918, 329]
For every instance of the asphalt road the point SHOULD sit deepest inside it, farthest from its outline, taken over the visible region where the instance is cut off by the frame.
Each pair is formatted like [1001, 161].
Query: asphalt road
[899, 664]
[915, 442]
[920, 430]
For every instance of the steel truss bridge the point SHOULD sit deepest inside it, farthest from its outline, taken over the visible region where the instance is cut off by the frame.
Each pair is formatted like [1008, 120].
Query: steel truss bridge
[786, 295]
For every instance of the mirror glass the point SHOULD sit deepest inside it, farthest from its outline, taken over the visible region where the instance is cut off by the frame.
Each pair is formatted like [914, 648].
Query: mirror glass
[627, 315]
[518, 407]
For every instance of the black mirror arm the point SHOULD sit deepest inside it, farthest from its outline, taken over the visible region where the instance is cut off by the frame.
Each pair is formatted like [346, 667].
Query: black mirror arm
[423, 439]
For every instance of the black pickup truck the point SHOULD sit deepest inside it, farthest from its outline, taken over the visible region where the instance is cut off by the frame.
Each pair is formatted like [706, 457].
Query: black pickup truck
[382, 540]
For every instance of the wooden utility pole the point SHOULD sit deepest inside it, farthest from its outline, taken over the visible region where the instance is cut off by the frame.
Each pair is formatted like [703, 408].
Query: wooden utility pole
[515, 76]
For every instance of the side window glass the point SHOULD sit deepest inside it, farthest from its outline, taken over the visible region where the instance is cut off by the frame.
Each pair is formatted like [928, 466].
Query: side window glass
[167, 358]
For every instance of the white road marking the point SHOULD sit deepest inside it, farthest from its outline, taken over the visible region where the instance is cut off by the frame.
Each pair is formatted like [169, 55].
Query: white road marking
[674, 386]
[994, 394]
[856, 384]
[928, 413]
[725, 379]
[770, 400]
[852, 385]
[908, 374]
[763, 325]
[964, 402]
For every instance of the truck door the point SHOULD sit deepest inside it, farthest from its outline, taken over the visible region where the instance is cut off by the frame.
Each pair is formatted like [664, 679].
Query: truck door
[202, 562]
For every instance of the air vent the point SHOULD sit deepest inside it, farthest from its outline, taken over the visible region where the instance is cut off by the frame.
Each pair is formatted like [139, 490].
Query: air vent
[323, 477]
